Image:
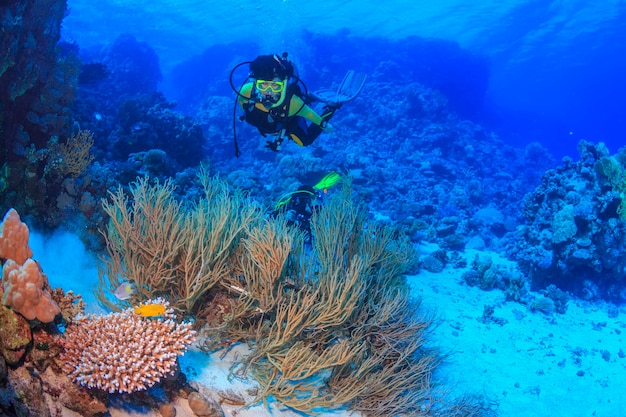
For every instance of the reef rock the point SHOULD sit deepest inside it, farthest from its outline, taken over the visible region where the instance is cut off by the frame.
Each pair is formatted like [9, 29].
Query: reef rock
[24, 394]
[204, 407]
[15, 335]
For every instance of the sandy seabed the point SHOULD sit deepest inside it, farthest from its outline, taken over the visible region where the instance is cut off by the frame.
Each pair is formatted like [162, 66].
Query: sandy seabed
[534, 364]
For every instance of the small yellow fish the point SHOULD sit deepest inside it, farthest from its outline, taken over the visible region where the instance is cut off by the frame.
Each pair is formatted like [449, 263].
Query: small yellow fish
[151, 310]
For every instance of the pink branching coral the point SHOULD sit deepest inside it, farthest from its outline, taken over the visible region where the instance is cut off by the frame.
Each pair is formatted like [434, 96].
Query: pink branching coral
[123, 352]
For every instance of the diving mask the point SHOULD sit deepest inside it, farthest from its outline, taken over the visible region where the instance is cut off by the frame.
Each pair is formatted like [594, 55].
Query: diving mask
[266, 86]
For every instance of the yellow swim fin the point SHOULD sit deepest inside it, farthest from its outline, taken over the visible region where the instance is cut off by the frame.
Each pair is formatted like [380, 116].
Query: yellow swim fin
[329, 180]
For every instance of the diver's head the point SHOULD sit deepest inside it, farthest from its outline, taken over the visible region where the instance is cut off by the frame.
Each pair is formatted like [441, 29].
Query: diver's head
[268, 67]
[270, 92]
[271, 74]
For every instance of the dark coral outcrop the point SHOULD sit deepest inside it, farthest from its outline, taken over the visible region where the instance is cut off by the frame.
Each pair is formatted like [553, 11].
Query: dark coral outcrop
[575, 232]
[38, 82]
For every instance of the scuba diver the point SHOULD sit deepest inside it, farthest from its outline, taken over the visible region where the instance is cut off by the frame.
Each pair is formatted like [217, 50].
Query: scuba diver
[300, 205]
[273, 101]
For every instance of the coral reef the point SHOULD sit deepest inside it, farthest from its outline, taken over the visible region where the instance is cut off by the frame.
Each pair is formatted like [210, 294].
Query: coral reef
[23, 395]
[442, 65]
[35, 75]
[123, 352]
[149, 122]
[38, 84]
[35, 384]
[487, 275]
[121, 105]
[329, 327]
[167, 248]
[574, 234]
[14, 238]
[72, 157]
[333, 327]
[413, 159]
[26, 291]
[132, 66]
[25, 286]
[15, 336]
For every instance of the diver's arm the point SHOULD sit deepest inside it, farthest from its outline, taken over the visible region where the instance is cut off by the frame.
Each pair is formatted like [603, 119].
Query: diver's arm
[244, 94]
[298, 108]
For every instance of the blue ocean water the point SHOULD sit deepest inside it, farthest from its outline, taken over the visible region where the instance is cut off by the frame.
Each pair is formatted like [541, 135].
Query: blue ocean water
[554, 69]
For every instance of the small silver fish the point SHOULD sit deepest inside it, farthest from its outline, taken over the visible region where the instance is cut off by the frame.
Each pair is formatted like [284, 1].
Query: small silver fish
[124, 291]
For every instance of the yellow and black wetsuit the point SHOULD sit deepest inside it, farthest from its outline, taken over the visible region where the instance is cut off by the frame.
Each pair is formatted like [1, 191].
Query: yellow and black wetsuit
[290, 114]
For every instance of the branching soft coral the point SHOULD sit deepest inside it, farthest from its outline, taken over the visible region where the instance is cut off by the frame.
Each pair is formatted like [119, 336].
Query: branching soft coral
[164, 247]
[342, 331]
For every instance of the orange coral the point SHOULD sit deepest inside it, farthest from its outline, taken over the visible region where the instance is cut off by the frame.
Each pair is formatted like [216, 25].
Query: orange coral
[123, 352]
[14, 238]
[25, 291]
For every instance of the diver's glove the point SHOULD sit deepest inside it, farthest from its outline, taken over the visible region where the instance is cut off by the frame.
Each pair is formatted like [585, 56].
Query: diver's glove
[327, 127]
[273, 145]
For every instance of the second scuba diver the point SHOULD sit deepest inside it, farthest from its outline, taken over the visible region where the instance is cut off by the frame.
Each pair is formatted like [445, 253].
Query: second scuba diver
[299, 206]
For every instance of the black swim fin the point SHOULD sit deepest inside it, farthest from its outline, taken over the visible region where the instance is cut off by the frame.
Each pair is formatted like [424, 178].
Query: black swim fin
[348, 90]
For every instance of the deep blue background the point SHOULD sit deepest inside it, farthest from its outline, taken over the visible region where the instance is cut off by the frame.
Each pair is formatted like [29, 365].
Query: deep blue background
[547, 71]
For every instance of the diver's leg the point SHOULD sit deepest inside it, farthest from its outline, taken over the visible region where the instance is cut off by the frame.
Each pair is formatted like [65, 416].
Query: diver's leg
[304, 134]
[330, 109]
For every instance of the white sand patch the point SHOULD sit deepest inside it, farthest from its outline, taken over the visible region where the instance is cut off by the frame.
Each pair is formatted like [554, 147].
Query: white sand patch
[539, 365]
[210, 374]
